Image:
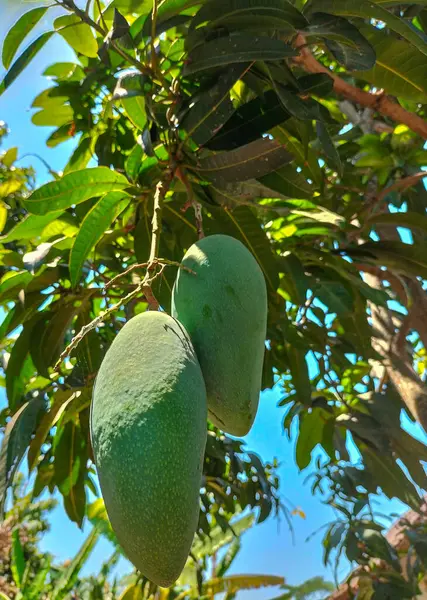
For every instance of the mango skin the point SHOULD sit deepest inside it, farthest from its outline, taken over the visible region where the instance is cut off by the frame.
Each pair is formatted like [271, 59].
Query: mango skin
[224, 309]
[148, 430]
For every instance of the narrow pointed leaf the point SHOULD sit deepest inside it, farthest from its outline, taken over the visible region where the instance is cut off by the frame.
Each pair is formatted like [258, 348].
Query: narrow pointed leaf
[253, 160]
[64, 584]
[400, 69]
[329, 147]
[24, 60]
[93, 227]
[212, 108]
[74, 188]
[46, 424]
[367, 9]
[237, 48]
[310, 434]
[16, 437]
[18, 33]
[344, 41]
[220, 11]
[250, 122]
[18, 560]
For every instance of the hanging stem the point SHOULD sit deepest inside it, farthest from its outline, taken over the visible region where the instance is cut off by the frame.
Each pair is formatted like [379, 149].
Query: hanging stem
[151, 274]
[159, 196]
[154, 14]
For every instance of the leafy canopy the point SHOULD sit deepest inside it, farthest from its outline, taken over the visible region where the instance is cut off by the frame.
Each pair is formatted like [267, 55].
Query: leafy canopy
[296, 127]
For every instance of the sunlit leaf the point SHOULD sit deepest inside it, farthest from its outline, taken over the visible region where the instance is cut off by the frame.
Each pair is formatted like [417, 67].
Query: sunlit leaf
[97, 220]
[18, 33]
[74, 188]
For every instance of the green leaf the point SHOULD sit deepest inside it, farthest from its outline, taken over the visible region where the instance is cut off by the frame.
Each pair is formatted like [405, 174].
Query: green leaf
[93, 227]
[69, 450]
[74, 188]
[167, 9]
[133, 592]
[130, 91]
[81, 155]
[65, 70]
[228, 558]
[134, 161]
[24, 60]
[239, 47]
[9, 157]
[328, 147]
[62, 134]
[218, 538]
[253, 160]
[19, 367]
[64, 584]
[344, 40]
[77, 34]
[294, 282]
[400, 68]
[51, 97]
[48, 335]
[17, 564]
[61, 399]
[35, 591]
[389, 477]
[411, 220]
[304, 109]
[49, 117]
[288, 182]
[333, 292]
[306, 157]
[10, 187]
[299, 372]
[97, 515]
[75, 501]
[18, 33]
[250, 122]
[367, 9]
[16, 438]
[310, 434]
[212, 108]
[235, 583]
[215, 13]
[400, 257]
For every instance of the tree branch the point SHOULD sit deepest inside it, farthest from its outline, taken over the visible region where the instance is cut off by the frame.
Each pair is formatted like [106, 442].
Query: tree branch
[395, 359]
[381, 103]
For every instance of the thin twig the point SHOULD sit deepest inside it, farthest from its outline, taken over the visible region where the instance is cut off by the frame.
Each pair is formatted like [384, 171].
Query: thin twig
[146, 284]
[401, 185]
[70, 5]
[157, 221]
[154, 14]
[101, 14]
[161, 261]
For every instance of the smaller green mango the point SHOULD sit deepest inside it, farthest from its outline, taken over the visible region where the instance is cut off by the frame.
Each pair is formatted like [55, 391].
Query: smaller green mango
[223, 306]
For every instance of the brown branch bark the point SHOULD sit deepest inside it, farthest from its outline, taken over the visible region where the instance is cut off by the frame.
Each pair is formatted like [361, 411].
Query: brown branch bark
[381, 103]
[396, 360]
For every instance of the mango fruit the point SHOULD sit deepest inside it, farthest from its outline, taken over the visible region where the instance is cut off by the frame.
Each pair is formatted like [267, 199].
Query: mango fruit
[148, 431]
[223, 306]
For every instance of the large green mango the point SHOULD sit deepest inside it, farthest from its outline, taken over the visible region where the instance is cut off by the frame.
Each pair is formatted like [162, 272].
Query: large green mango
[223, 306]
[148, 429]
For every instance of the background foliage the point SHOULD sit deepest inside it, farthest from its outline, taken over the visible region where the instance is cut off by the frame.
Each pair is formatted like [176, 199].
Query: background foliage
[296, 127]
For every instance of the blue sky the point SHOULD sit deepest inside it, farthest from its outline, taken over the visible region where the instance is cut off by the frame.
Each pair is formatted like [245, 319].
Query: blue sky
[267, 548]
